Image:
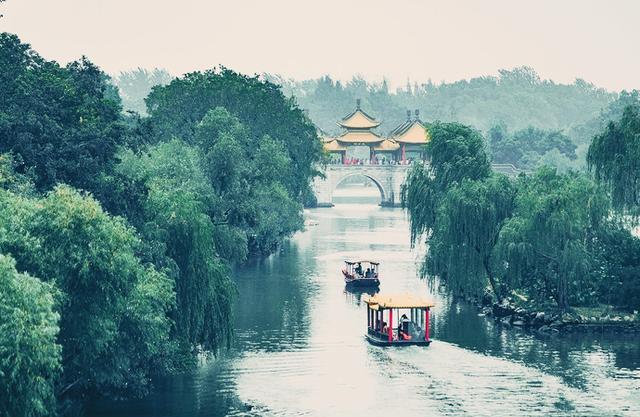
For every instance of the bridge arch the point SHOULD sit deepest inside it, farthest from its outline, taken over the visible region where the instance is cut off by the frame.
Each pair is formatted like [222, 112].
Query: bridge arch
[388, 179]
[341, 178]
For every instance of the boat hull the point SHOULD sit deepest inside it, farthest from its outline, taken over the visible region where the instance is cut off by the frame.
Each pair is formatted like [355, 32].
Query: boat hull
[365, 282]
[381, 342]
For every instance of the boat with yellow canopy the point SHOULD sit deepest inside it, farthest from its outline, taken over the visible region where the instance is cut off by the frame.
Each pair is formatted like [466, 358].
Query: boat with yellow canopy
[411, 329]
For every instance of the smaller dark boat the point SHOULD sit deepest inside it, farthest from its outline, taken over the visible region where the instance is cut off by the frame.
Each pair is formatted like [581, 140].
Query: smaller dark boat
[361, 273]
[409, 330]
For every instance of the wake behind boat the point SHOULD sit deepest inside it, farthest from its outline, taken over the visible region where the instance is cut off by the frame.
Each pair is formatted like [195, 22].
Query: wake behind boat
[361, 273]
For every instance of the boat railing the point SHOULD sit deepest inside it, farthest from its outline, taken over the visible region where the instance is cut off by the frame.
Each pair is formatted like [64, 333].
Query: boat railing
[417, 334]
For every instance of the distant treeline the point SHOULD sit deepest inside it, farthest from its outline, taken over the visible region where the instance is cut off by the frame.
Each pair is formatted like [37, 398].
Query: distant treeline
[553, 122]
[528, 121]
[118, 231]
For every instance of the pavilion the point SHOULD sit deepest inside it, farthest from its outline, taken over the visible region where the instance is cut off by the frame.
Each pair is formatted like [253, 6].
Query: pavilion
[360, 144]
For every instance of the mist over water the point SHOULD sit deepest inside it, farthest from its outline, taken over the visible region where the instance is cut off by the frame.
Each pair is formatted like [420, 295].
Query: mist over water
[299, 347]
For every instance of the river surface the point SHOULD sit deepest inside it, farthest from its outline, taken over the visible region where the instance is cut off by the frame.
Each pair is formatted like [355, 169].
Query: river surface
[299, 348]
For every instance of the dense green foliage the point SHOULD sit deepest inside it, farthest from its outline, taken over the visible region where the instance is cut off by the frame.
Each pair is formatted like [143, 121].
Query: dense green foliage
[64, 123]
[177, 108]
[544, 246]
[614, 157]
[545, 237]
[136, 247]
[173, 215]
[29, 354]
[528, 148]
[114, 327]
[469, 221]
[457, 153]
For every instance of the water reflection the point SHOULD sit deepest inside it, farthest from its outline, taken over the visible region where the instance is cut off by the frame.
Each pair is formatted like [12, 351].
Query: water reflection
[300, 350]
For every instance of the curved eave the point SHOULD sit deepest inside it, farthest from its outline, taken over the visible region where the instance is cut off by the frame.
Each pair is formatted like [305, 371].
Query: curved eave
[334, 146]
[372, 125]
[415, 134]
[386, 146]
[359, 137]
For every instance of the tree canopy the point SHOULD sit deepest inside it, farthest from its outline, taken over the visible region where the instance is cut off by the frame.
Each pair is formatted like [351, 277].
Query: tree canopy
[614, 158]
[545, 237]
[62, 123]
[132, 223]
[29, 354]
[176, 109]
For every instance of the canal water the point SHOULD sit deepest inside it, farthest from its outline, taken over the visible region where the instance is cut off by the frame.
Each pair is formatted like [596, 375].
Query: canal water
[299, 348]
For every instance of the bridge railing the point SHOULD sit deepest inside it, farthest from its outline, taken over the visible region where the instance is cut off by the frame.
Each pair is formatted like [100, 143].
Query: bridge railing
[368, 162]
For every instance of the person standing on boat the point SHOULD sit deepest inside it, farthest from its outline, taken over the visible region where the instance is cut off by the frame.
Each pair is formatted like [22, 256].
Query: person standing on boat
[359, 268]
[404, 324]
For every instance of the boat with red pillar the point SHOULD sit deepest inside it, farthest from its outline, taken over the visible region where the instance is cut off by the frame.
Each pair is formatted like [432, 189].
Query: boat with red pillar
[398, 319]
[361, 273]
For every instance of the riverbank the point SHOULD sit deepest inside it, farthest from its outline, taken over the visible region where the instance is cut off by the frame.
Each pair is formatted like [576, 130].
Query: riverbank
[579, 319]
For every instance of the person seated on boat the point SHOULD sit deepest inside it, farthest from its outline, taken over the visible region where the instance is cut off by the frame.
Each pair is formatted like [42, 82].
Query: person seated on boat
[403, 328]
[403, 336]
[359, 269]
[368, 273]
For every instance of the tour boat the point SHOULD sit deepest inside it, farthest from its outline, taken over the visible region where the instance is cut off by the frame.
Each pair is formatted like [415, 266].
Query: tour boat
[407, 330]
[361, 273]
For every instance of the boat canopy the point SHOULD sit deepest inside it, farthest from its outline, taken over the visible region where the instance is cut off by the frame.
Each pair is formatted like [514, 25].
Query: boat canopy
[384, 301]
[361, 261]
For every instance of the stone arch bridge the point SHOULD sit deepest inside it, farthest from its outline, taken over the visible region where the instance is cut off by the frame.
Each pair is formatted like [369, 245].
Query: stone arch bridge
[388, 179]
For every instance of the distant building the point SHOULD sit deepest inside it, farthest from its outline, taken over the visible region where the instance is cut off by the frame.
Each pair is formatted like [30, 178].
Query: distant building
[360, 144]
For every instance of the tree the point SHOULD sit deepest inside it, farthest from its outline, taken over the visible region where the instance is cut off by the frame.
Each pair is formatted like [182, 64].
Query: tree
[469, 220]
[29, 354]
[543, 247]
[457, 153]
[174, 218]
[526, 148]
[114, 326]
[62, 124]
[614, 158]
[177, 108]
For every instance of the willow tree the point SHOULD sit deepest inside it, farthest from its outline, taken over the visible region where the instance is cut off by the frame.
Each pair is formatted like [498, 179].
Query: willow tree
[440, 200]
[461, 249]
[614, 158]
[29, 354]
[457, 152]
[543, 248]
[175, 218]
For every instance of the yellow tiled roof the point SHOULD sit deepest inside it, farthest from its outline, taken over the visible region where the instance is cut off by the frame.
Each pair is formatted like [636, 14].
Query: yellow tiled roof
[333, 146]
[386, 145]
[416, 134]
[359, 120]
[379, 301]
[364, 136]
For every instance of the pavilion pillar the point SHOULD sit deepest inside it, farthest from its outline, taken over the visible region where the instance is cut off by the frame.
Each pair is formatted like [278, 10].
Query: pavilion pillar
[426, 324]
[390, 327]
[404, 153]
[344, 156]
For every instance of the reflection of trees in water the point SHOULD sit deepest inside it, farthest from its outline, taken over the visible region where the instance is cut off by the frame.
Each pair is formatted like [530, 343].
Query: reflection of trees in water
[575, 358]
[272, 310]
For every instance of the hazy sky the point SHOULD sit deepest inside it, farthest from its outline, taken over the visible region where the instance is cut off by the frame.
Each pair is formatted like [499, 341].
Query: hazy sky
[417, 39]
